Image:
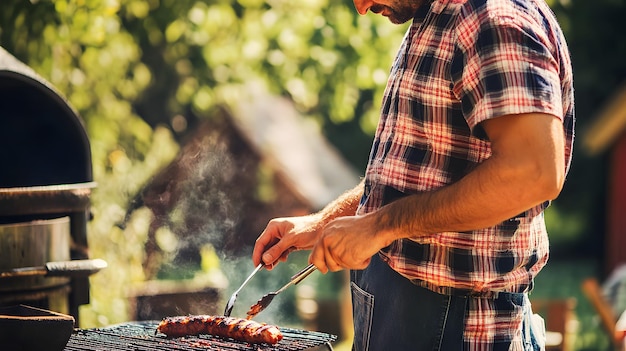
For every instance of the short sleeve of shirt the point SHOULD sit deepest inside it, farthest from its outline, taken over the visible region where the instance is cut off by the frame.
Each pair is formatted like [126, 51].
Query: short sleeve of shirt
[503, 65]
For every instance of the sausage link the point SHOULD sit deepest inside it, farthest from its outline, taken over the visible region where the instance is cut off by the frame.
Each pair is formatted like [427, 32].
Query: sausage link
[226, 327]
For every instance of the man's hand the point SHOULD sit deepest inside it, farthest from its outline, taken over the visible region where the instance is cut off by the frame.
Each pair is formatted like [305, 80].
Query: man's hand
[348, 243]
[283, 236]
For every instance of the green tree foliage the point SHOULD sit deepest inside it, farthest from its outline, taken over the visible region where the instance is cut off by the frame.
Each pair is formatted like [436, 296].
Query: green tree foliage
[141, 73]
[82, 48]
[331, 63]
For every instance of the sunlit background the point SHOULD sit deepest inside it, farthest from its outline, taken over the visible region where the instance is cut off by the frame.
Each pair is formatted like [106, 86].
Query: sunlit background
[207, 118]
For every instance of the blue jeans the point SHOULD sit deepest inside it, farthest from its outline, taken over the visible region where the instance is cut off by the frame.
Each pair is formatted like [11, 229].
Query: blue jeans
[392, 314]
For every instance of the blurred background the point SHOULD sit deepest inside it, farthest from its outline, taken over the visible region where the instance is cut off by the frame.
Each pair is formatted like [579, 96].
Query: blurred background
[207, 118]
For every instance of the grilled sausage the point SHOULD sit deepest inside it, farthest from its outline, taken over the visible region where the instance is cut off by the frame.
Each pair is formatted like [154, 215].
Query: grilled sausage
[226, 327]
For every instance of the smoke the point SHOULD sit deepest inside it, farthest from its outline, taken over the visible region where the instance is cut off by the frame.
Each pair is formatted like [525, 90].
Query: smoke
[210, 206]
[207, 197]
[201, 196]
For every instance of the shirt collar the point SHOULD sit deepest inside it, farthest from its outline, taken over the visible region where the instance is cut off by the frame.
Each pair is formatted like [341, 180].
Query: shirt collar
[438, 6]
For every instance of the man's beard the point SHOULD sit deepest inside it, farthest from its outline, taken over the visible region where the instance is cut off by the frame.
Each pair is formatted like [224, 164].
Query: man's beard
[400, 11]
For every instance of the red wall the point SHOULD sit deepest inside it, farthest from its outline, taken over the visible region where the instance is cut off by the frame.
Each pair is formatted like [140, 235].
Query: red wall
[616, 196]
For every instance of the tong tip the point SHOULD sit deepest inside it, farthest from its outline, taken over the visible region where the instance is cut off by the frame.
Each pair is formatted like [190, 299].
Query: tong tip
[254, 310]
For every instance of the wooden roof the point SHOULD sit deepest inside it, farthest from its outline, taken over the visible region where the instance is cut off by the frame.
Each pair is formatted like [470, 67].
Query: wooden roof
[294, 145]
[607, 126]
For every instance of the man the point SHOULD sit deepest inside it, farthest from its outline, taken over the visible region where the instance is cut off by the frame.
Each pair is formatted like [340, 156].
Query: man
[446, 232]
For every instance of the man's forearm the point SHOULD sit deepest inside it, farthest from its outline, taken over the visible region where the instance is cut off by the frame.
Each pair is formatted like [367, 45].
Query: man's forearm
[462, 206]
[524, 171]
[344, 205]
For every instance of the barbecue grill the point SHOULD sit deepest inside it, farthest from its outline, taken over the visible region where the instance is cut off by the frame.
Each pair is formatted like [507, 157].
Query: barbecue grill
[45, 188]
[140, 336]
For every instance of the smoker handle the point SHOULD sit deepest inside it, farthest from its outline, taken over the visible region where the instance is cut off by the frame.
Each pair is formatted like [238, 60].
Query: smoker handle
[74, 268]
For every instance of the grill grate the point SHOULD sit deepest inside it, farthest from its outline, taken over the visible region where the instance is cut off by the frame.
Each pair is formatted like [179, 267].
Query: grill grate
[140, 336]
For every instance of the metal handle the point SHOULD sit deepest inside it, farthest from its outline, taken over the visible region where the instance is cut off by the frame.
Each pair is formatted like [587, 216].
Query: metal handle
[74, 268]
[250, 276]
[298, 277]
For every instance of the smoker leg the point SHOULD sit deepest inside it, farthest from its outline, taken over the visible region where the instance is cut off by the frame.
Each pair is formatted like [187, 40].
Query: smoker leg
[79, 294]
[329, 346]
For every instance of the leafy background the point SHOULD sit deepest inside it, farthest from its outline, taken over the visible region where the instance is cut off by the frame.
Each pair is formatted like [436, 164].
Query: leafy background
[143, 73]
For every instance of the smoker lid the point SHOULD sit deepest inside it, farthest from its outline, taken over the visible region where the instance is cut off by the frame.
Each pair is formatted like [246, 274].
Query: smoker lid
[11, 69]
[43, 139]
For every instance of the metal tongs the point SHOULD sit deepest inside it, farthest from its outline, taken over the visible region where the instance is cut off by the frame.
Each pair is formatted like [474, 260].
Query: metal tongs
[233, 297]
[267, 298]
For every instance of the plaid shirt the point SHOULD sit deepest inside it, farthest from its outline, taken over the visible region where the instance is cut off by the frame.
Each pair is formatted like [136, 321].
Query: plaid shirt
[460, 63]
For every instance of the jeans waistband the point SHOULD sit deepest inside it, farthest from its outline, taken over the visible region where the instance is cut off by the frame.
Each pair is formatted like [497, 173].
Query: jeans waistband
[446, 290]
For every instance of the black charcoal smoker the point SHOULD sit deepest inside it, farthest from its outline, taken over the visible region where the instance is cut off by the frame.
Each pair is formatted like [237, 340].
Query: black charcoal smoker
[45, 187]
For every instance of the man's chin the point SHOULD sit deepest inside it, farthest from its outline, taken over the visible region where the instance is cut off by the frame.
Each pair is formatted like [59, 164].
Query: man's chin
[397, 20]
[394, 16]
